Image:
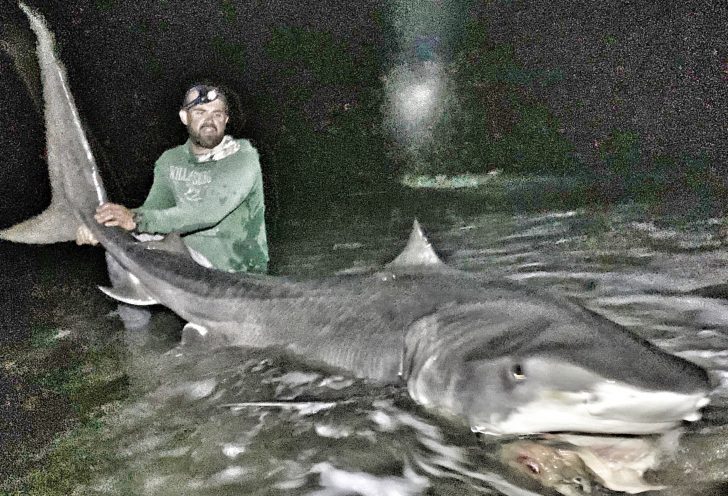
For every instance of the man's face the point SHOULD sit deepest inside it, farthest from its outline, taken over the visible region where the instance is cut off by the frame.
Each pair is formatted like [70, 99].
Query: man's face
[206, 123]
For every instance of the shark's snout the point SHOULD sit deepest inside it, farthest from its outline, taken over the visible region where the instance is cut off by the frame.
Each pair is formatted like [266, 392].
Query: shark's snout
[605, 406]
[620, 402]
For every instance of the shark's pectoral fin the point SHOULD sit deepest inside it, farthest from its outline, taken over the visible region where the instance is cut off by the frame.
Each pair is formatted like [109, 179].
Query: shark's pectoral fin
[192, 333]
[133, 295]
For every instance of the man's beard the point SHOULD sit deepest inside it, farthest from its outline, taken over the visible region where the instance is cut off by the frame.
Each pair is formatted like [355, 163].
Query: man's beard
[205, 140]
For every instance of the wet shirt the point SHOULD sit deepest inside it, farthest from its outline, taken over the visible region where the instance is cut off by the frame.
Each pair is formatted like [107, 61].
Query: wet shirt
[215, 203]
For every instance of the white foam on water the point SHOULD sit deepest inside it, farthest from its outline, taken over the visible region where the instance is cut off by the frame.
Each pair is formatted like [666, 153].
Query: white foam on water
[444, 468]
[683, 239]
[448, 451]
[137, 411]
[144, 445]
[550, 216]
[706, 311]
[152, 485]
[539, 231]
[722, 387]
[232, 450]
[288, 485]
[420, 426]
[389, 422]
[297, 378]
[230, 475]
[617, 282]
[364, 484]
[199, 389]
[528, 265]
[384, 421]
[103, 486]
[174, 453]
[347, 246]
[192, 390]
[290, 383]
[332, 431]
[336, 382]
[63, 333]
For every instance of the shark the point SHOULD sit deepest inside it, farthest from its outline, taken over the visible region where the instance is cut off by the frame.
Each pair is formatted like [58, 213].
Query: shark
[498, 357]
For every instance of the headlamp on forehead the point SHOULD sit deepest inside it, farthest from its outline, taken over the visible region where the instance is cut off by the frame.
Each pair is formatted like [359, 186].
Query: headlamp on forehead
[205, 94]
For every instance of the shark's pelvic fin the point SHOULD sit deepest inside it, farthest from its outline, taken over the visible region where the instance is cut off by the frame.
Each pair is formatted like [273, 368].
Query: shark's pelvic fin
[418, 252]
[131, 294]
[126, 287]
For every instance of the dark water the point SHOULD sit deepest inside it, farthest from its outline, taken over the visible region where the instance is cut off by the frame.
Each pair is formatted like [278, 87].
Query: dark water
[251, 422]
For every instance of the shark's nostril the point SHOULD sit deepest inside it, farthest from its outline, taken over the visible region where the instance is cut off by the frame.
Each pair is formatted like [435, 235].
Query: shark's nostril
[517, 372]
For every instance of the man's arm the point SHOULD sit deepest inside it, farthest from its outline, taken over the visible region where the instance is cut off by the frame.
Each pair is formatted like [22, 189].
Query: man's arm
[114, 214]
[228, 190]
[160, 194]
[108, 214]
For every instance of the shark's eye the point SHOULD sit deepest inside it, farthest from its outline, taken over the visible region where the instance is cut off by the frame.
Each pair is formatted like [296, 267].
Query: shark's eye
[518, 373]
[582, 484]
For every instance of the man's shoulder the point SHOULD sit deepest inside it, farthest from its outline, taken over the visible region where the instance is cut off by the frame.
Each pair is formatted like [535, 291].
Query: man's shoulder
[173, 154]
[245, 145]
[246, 153]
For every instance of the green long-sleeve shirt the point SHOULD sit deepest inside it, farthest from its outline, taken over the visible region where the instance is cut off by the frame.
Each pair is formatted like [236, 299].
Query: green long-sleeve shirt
[216, 205]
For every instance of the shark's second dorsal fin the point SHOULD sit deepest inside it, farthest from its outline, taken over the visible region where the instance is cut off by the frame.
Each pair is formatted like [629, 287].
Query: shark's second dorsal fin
[418, 252]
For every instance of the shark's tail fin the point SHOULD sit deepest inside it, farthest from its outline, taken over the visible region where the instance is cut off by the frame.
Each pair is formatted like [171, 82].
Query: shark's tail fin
[54, 225]
[76, 186]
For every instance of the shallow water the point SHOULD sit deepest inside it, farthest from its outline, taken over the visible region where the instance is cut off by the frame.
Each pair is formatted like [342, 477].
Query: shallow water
[255, 422]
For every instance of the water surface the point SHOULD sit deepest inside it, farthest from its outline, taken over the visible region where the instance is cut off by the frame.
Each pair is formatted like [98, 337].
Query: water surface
[239, 421]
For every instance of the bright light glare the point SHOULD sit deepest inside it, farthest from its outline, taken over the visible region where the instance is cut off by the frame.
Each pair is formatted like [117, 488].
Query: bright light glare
[418, 97]
[415, 100]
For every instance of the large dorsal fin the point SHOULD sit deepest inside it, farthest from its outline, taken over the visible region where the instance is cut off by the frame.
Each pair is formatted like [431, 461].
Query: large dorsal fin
[418, 252]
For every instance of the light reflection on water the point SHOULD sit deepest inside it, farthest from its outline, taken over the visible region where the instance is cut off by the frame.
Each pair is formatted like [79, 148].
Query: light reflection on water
[237, 421]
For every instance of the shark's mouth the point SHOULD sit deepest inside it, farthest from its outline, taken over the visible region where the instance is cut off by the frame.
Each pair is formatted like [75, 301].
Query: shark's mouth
[609, 408]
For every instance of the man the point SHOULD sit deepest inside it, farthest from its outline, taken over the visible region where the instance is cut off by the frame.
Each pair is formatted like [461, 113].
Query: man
[210, 190]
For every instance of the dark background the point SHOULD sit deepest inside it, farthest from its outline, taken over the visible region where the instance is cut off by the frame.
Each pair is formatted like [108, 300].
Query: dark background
[628, 90]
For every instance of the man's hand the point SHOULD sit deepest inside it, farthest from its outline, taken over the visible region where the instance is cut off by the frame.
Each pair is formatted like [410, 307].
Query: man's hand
[113, 214]
[85, 237]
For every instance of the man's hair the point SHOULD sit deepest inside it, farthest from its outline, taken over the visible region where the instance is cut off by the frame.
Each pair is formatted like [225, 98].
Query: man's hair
[206, 92]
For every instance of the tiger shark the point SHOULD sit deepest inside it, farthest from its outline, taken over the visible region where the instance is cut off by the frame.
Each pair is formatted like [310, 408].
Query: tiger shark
[495, 356]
